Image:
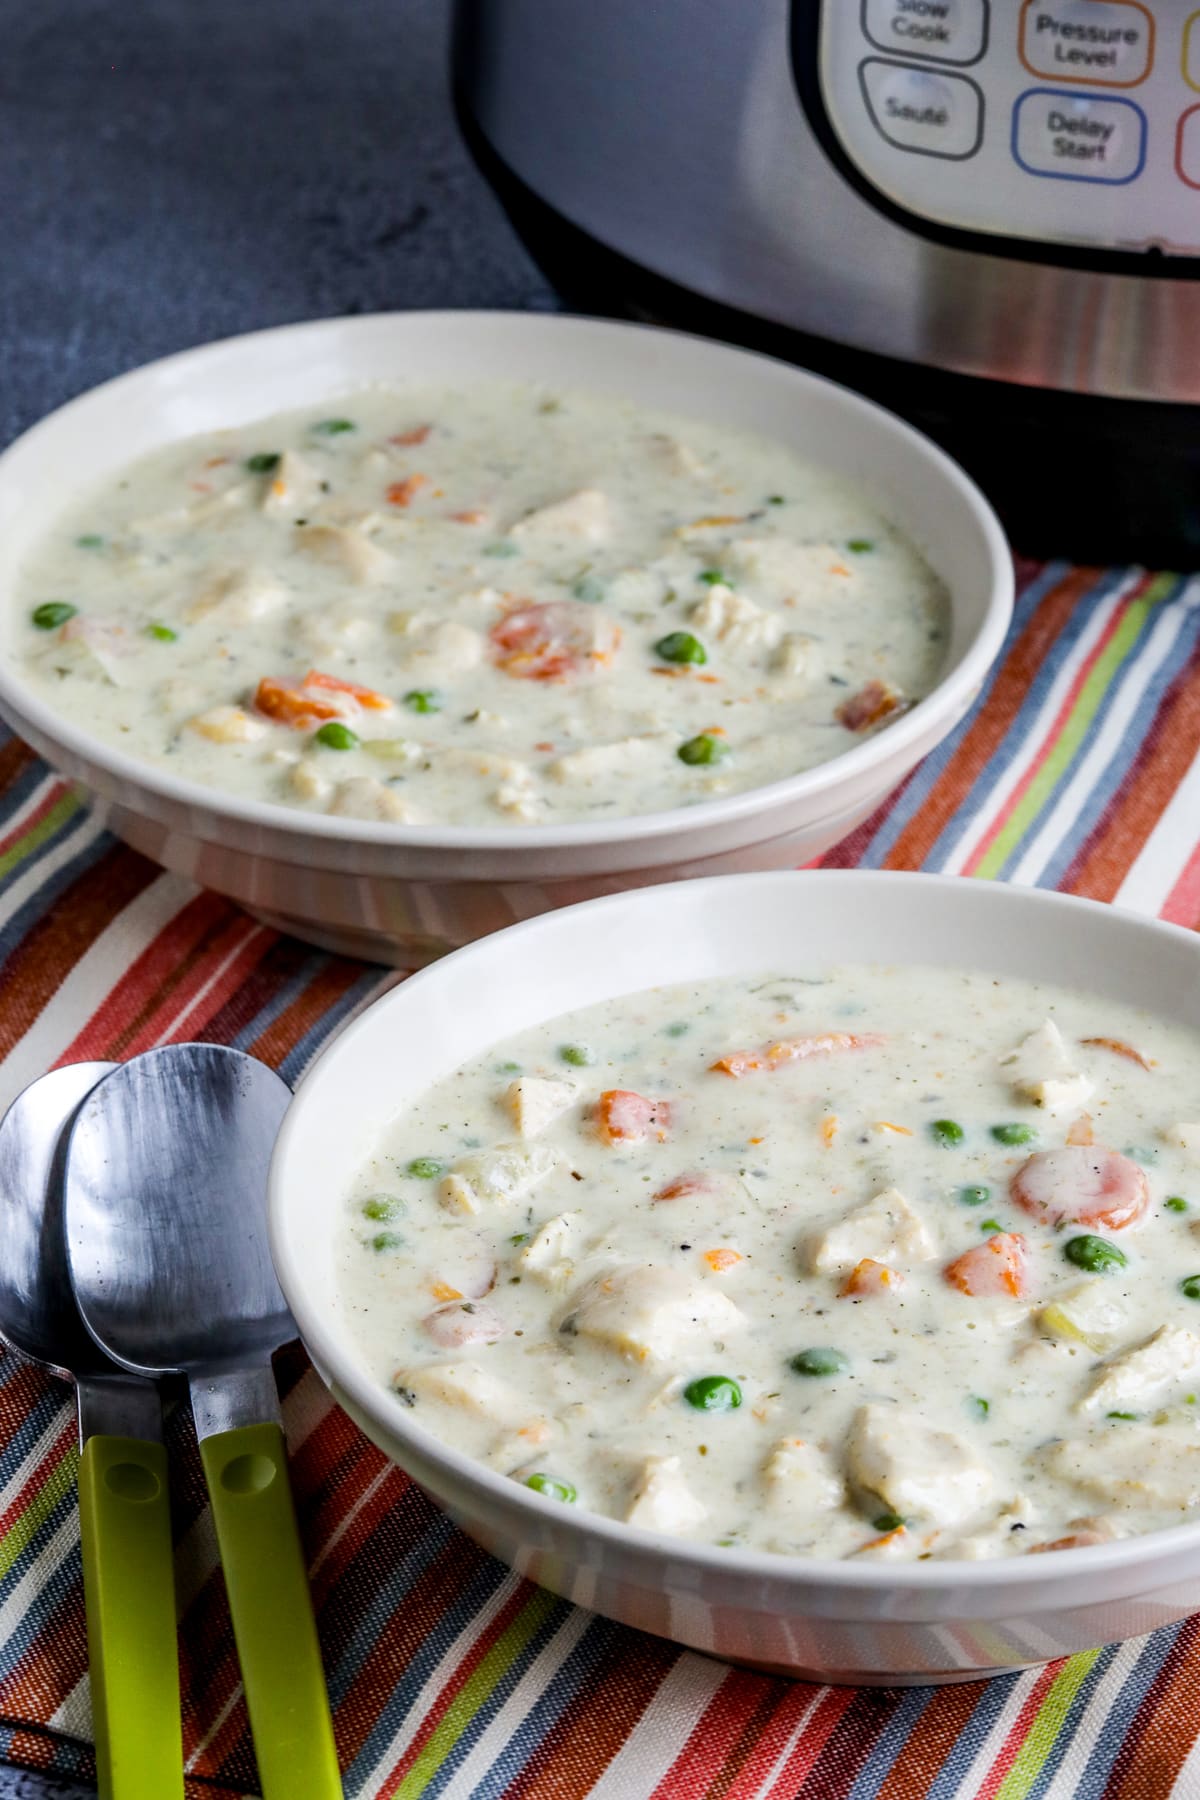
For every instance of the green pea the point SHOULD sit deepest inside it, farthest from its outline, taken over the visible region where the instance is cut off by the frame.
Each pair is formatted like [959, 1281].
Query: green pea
[1120, 1415]
[979, 1406]
[946, 1131]
[589, 589]
[578, 1055]
[518, 1238]
[713, 1393]
[336, 736]
[263, 461]
[1095, 1254]
[775, 500]
[423, 700]
[503, 548]
[889, 1522]
[819, 1361]
[382, 1207]
[91, 540]
[334, 427]
[713, 578]
[860, 546]
[386, 1240]
[426, 1168]
[52, 613]
[553, 1487]
[974, 1196]
[1190, 1285]
[1175, 1203]
[1014, 1133]
[162, 634]
[679, 1028]
[508, 1068]
[681, 647]
[702, 750]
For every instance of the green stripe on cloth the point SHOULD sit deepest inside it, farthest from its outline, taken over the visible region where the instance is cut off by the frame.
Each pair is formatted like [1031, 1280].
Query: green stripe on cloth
[1051, 1716]
[24, 1529]
[37, 835]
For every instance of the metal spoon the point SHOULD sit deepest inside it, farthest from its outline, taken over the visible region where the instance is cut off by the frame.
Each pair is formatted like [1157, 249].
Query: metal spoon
[167, 1237]
[124, 1510]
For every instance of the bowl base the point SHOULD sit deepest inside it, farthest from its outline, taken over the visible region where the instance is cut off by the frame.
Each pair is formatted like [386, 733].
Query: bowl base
[364, 946]
[859, 1678]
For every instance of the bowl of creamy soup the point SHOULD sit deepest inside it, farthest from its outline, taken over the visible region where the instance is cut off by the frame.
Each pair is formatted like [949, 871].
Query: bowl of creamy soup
[802, 1266]
[400, 629]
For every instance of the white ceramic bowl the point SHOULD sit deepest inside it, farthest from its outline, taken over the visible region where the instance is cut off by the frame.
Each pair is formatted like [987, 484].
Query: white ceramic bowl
[402, 893]
[843, 1621]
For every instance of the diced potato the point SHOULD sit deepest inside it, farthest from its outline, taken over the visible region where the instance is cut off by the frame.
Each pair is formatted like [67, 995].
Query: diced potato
[1132, 1467]
[885, 1228]
[363, 797]
[800, 1480]
[583, 517]
[496, 1177]
[651, 1313]
[308, 781]
[465, 1386]
[798, 655]
[628, 757]
[1040, 1070]
[662, 1499]
[292, 486]
[535, 1101]
[228, 725]
[735, 622]
[237, 598]
[798, 571]
[550, 1253]
[437, 649]
[917, 1470]
[333, 631]
[1130, 1381]
[1091, 1313]
[346, 549]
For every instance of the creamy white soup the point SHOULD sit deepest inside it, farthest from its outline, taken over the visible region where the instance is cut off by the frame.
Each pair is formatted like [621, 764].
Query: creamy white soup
[885, 1263]
[480, 606]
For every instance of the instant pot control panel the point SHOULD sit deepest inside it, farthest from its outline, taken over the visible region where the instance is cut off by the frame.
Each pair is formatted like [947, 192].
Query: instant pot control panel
[1070, 122]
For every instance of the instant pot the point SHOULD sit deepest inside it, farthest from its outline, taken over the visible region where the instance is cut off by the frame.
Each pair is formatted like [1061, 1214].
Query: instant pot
[986, 213]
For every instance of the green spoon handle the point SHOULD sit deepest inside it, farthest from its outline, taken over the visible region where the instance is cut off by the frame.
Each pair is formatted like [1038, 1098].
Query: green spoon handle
[271, 1606]
[129, 1590]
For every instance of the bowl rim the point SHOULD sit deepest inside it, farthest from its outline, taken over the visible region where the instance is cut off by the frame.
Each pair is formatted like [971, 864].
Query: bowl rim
[492, 1490]
[823, 780]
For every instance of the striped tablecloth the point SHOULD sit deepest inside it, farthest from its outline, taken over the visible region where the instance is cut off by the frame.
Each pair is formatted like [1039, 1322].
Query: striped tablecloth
[450, 1677]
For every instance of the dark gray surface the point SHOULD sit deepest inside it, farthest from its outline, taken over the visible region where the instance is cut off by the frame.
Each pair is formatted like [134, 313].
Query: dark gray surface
[173, 171]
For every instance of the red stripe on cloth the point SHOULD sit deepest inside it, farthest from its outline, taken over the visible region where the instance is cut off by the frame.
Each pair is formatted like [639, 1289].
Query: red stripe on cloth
[238, 948]
[294, 1024]
[31, 820]
[1182, 905]
[40, 1474]
[1163, 1730]
[714, 1741]
[932, 1741]
[52, 1664]
[818, 1730]
[1051, 735]
[1017, 1732]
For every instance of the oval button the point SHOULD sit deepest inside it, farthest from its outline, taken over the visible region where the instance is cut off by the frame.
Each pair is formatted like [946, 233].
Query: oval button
[929, 112]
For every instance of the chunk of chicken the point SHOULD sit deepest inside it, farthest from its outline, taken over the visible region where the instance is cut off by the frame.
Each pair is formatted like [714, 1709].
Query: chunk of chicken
[583, 517]
[363, 797]
[885, 1228]
[535, 1101]
[600, 763]
[798, 655]
[916, 1469]
[228, 725]
[550, 1253]
[308, 781]
[1135, 1378]
[1132, 1467]
[736, 623]
[437, 649]
[344, 548]
[1089, 1313]
[662, 1499]
[651, 1313]
[800, 571]
[294, 485]
[800, 1480]
[463, 1385]
[496, 1177]
[238, 597]
[1040, 1070]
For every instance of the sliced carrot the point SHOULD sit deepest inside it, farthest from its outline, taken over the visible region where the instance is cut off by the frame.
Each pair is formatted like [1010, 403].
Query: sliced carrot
[994, 1267]
[416, 435]
[684, 1185]
[623, 1117]
[554, 640]
[441, 1290]
[870, 1277]
[1080, 1130]
[830, 1126]
[335, 685]
[712, 520]
[402, 493]
[887, 1125]
[1082, 1185]
[877, 1543]
[789, 1050]
[722, 1259]
[292, 706]
[1119, 1047]
[473, 515]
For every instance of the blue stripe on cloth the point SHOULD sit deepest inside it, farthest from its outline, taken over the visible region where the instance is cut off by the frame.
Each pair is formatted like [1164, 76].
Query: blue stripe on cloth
[49, 1406]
